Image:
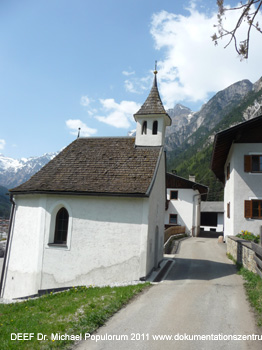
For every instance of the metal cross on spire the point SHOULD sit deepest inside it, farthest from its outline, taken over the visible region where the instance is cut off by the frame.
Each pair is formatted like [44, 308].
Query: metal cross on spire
[155, 71]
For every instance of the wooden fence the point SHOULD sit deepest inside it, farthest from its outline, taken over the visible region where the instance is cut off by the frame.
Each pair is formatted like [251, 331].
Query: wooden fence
[174, 230]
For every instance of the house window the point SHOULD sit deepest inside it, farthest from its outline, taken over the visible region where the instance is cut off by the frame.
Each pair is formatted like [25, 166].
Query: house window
[173, 194]
[253, 209]
[144, 128]
[228, 210]
[61, 226]
[173, 219]
[155, 126]
[253, 163]
[228, 171]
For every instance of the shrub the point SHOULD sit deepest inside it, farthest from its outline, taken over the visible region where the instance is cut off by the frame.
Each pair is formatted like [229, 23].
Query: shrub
[248, 236]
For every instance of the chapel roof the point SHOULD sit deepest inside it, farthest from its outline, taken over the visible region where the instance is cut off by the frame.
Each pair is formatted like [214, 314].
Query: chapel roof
[109, 166]
[153, 104]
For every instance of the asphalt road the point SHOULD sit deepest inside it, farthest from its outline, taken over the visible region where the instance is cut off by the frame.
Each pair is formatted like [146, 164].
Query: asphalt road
[201, 296]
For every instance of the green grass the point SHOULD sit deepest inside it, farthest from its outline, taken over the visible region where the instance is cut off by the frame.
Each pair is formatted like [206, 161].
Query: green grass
[253, 286]
[79, 310]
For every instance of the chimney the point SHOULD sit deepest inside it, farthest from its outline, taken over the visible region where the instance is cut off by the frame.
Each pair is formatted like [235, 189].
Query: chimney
[192, 178]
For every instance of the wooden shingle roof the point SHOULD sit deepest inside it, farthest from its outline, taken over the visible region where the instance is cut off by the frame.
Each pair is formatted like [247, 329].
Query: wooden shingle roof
[153, 104]
[112, 166]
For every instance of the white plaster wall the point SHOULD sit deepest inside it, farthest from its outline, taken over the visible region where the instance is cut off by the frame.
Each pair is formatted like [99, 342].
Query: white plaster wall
[183, 207]
[156, 217]
[149, 139]
[242, 186]
[24, 258]
[229, 194]
[107, 243]
[220, 222]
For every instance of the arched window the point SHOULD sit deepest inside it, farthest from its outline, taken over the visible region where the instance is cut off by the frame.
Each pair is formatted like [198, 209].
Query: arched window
[144, 127]
[155, 125]
[61, 226]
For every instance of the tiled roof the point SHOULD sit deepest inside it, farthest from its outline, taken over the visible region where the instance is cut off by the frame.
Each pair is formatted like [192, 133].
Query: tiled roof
[97, 165]
[215, 207]
[153, 103]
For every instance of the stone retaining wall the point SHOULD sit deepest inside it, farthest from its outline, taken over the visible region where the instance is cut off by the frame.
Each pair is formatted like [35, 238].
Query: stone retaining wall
[242, 252]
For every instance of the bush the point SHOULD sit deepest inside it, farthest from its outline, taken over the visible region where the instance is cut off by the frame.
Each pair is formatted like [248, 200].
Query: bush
[248, 236]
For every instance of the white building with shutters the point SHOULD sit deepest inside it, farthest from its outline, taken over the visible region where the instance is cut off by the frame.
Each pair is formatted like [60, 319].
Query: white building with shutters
[237, 162]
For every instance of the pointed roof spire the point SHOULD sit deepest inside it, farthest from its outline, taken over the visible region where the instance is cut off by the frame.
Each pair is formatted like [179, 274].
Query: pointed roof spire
[153, 103]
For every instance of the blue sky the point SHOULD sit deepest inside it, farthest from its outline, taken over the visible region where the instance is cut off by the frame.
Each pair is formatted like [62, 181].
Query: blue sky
[66, 64]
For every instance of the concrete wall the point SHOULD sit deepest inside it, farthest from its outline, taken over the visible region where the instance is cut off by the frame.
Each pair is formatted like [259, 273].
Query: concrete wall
[220, 222]
[188, 215]
[107, 242]
[156, 218]
[241, 186]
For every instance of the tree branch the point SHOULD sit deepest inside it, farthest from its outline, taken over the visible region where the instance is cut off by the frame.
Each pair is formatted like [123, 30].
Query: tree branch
[243, 47]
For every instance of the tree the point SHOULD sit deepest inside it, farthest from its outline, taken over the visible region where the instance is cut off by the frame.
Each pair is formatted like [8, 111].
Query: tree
[248, 12]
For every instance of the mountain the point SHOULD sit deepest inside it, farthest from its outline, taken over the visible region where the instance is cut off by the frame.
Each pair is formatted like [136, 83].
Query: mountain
[192, 155]
[13, 172]
[208, 117]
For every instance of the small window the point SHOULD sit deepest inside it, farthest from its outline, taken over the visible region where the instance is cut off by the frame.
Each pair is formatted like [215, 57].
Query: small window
[173, 219]
[155, 126]
[228, 171]
[256, 163]
[253, 209]
[61, 226]
[228, 210]
[144, 128]
[173, 194]
[253, 163]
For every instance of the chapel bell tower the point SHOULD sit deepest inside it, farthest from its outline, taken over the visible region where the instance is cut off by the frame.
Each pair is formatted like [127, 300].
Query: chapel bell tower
[152, 120]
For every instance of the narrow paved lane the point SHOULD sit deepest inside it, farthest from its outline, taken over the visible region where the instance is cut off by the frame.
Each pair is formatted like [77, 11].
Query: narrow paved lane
[201, 295]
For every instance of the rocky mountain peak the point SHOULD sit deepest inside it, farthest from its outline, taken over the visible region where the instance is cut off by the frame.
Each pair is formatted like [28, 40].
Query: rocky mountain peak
[257, 85]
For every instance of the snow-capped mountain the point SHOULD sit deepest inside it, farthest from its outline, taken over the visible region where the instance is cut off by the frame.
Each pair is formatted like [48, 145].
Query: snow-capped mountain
[13, 172]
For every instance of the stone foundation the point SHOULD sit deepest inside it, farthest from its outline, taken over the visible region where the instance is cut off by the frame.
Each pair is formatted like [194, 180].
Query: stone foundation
[242, 252]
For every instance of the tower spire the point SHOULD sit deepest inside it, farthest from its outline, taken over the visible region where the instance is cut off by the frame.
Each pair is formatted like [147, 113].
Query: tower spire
[155, 72]
[152, 119]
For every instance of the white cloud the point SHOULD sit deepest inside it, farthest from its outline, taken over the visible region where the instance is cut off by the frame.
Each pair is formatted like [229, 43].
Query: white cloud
[75, 124]
[129, 86]
[138, 85]
[192, 66]
[118, 115]
[126, 73]
[2, 144]
[85, 101]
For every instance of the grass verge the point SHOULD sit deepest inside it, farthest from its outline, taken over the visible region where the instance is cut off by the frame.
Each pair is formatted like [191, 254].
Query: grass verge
[253, 286]
[77, 311]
